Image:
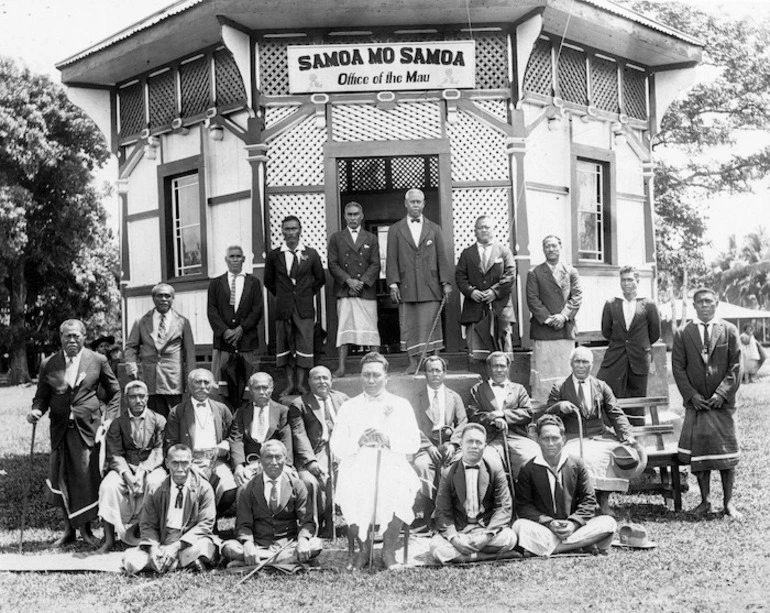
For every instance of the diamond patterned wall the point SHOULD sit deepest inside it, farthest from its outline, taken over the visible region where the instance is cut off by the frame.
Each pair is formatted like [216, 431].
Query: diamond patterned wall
[478, 151]
[162, 96]
[635, 93]
[230, 89]
[196, 86]
[572, 75]
[274, 114]
[604, 84]
[365, 122]
[132, 119]
[468, 204]
[311, 210]
[497, 108]
[538, 77]
[296, 156]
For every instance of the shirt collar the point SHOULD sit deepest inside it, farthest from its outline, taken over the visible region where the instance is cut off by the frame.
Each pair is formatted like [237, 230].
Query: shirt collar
[698, 321]
[196, 403]
[75, 357]
[440, 390]
[266, 479]
[139, 417]
[576, 381]
[503, 384]
[233, 274]
[320, 400]
[541, 461]
[411, 219]
[298, 249]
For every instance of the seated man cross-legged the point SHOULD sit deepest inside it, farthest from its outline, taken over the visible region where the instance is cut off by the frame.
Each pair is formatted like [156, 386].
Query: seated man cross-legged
[555, 499]
[273, 510]
[473, 507]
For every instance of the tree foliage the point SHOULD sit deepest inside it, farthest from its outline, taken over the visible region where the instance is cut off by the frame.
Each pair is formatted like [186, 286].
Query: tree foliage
[742, 274]
[57, 257]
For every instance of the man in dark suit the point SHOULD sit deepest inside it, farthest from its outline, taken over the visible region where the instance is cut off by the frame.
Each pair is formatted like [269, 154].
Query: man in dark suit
[354, 264]
[441, 417]
[418, 275]
[67, 384]
[312, 417]
[555, 500]
[135, 458]
[273, 509]
[706, 367]
[203, 425]
[162, 342]
[294, 274]
[259, 420]
[554, 296]
[485, 275]
[234, 312]
[631, 325]
[473, 506]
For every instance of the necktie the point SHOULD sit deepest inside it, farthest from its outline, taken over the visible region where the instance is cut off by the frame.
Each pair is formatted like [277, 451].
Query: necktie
[331, 416]
[294, 265]
[70, 372]
[415, 220]
[435, 410]
[582, 399]
[162, 327]
[179, 497]
[485, 257]
[274, 496]
[232, 289]
[706, 338]
[469, 467]
[498, 385]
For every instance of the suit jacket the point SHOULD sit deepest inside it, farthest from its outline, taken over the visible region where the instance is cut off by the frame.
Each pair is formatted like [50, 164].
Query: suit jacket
[420, 270]
[455, 416]
[222, 317]
[632, 347]
[499, 276]
[495, 506]
[360, 260]
[123, 454]
[241, 443]
[198, 516]
[164, 368]
[606, 415]
[535, 501]
[53, 392]
[181, 423]
[517, 409]
[256, 522]
[310, 279]
[719, 375]
[546, 297]
[305, 420]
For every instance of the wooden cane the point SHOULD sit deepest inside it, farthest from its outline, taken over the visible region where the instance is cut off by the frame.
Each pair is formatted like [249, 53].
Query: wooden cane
[580, 430]
[507, 456]
[269, 560]
[430, 334]
[27, 486]
[329, 511]
[374, 510]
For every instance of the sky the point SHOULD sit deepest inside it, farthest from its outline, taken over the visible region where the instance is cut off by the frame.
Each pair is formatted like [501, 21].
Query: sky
[43, 32]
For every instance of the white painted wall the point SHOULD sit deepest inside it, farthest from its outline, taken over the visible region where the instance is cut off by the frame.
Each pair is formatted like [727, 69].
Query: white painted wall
[548, 213]
[631, 237]
[230, 224]
[144, 251]
[143, 186]
[227, 170]
[179, 146]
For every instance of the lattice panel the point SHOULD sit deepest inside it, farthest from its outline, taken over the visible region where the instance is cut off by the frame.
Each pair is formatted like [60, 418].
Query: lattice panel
[478, 151]
[230, 89]
[572, 75]
[311, 210]
[132, 120]
[497, 108]
[491, 58]
[635, 93]
[367, 174]
[407, 121]
[468, 204]
[274, 66]
[604, 84]
[162, 96]
[409, 172]
[296, 156]
[538, 78]
[380, 174]
[195, 79]
[274, 114]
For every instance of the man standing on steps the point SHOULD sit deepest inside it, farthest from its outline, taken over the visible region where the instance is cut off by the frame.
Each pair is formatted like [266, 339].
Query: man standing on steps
[418, 275]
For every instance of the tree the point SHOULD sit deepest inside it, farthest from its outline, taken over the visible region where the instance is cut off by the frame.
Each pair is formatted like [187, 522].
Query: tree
[742, 276]
[735, 97]
[56, 253]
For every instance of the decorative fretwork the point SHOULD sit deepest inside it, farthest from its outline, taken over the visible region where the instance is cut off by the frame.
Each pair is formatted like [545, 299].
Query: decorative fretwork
[274, 114]
[468, 204]
[387, 174]
[366, 122]
[538, 78]
[311, 210]
[604, 84]
[295, 157]
[478, 151]
[196, 86]
[635, 93]
[274, 65]
[230, 88]
[491, 58]
[571, 75]
[132, 119]
[162, 96]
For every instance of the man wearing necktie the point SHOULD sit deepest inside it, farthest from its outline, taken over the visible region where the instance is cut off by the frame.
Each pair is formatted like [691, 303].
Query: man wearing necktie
[294, 274]
[258, 420]
[177, 521]
[354, 264]
[473, 506]
[598, 407]
[273, 509]
[705, 363]
[67, 385]
[418, 275]
[161, 344]
[312, 418]
[485, 275]
[555, 500]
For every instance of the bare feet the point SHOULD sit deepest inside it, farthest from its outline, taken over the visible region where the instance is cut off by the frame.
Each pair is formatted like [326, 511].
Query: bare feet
[106, 547]
[300, 389]
[732, 511]
[288, 391]
[88, 537]
[339, 373]
[67, 538]
[412, 368]
[702, 509]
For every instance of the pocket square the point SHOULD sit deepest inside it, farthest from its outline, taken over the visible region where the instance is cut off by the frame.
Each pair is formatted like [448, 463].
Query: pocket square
[80, 379]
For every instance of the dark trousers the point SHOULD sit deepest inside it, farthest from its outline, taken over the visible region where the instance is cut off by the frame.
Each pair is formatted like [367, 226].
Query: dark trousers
[163, 403]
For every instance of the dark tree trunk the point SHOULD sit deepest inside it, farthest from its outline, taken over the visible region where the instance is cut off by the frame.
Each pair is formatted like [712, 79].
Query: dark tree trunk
[19, 335]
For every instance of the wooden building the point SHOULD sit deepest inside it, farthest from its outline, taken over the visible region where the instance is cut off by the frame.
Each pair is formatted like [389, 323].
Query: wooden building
[227, 115]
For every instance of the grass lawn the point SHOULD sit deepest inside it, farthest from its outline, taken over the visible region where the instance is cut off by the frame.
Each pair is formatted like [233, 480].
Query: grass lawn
[713, 565]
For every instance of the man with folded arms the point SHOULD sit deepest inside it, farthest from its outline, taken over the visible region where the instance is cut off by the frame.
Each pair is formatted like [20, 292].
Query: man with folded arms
[555, 500]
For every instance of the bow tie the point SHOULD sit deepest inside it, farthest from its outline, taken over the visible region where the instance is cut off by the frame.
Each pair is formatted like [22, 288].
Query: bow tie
[415, 220]
[498, 385]
[469, 467]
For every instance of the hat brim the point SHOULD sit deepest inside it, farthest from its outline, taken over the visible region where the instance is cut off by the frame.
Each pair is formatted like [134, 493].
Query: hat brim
[630, 473]
[647, 545]
[102, 339]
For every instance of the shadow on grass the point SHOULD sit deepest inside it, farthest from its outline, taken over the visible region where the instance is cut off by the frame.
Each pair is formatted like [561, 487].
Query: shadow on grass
[16, 476]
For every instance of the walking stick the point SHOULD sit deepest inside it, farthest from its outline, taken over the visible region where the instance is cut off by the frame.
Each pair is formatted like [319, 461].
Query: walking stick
[580, 430]
[507, 457]
[27, 487]
[374, 510]
[430, 334]
[329, 511]
[269, 560]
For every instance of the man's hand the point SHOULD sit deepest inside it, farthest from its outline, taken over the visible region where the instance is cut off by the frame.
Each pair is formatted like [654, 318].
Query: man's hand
[314, 468]
[563, 407]
[716, 401]
[489, 296]
[556, 321]
[355, 285]
[500, 423]
[241, 476]
[699, 403]
[448, 451]
[477, 295]
[435, 455]
[303, 550]
[447, 289]
[167, 556]
[34, 416]
[562, 528]
[250, 553]
[130, 481]
[463, 544]
[237, 335]
[395, 294]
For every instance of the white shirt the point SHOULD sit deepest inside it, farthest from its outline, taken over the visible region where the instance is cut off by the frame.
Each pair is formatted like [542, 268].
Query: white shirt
[501, 393]
[137, 428]
[174, 514]
[269, 485]
[415, 229]
[586, 391]
[327, 411]
[240, 279]
[484, 251]
[553, 477]
[289, 258]
[260, 423]
[71, 368]
[354, 233]
[629, 310]
[205, 432]
[440, 407]
[700, 325]
[170, 317]
[471, 492]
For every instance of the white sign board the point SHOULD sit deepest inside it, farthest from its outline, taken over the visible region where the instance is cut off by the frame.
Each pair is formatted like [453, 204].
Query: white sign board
[382, 67]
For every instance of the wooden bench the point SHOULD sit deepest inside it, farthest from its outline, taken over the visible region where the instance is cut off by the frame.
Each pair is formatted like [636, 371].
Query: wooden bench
[663, 457]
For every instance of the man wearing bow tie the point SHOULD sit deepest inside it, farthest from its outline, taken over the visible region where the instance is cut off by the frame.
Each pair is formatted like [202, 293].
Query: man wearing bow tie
[485, 275]
[161, 341]
[354, 263]
[294, 274]
[312, 418]
[418, 276]
[504, 409]
[706, 367]
[67, 385]
[473, 507]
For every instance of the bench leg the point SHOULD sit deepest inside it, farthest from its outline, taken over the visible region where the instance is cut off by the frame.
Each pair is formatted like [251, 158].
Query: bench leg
[677, 486]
